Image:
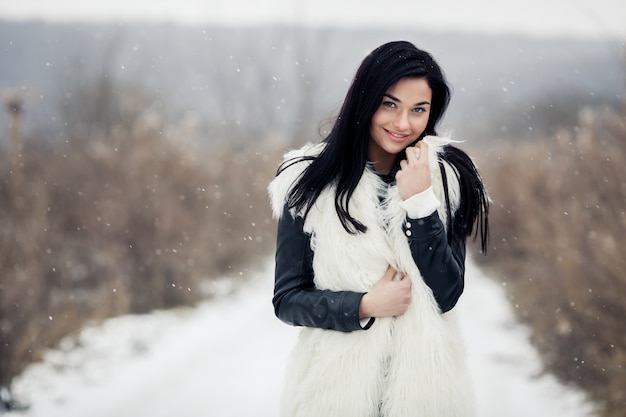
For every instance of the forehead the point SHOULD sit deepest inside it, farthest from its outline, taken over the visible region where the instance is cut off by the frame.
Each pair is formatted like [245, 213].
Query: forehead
[411, 90]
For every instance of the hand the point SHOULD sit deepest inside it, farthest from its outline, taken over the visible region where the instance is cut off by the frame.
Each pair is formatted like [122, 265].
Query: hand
[388, 298]
[413, 177]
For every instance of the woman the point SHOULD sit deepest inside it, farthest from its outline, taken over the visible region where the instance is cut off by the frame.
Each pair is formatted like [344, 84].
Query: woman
[372, 224]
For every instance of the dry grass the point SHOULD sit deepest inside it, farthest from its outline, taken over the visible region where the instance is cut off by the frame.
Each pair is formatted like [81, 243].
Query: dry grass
[558, 238]
[119, 221]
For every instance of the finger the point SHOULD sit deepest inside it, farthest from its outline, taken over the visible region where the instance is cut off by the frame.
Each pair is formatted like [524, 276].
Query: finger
[423, 150]
[390, 274]
[410, 154]
[408, 281]
[400, 276]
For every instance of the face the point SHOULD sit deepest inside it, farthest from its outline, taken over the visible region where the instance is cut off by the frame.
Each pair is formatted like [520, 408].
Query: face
[399, 120]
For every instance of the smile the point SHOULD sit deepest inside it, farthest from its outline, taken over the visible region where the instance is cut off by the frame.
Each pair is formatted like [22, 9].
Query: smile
[396, 136]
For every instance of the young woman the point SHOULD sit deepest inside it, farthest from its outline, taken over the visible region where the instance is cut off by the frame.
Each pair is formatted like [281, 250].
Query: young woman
[372, 224]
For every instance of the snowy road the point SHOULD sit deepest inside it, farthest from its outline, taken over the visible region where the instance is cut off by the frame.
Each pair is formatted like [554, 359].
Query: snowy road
[226, 359]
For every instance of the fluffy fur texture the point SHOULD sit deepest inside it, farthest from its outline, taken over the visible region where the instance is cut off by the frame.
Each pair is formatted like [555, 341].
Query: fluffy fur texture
[409, 366]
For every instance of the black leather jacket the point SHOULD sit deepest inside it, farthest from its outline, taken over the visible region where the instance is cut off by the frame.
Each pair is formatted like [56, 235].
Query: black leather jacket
[298, 302]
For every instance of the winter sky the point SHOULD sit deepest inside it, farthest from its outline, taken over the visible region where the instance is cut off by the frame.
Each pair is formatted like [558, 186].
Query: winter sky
[597, 18]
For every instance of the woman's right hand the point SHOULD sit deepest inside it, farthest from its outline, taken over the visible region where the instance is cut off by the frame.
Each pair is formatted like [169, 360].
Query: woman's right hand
[388, 298]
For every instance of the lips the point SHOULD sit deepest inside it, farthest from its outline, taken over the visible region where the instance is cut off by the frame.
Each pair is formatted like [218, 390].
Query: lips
[397, 137]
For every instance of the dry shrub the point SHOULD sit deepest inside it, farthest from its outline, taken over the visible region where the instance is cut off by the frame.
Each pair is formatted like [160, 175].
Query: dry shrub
[122, 220]
[558, 238]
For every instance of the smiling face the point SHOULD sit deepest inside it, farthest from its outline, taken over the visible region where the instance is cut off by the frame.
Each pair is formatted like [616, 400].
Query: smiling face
[399, 120]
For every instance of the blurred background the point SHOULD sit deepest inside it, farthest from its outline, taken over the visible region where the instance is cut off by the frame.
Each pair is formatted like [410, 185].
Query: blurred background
[137, 140]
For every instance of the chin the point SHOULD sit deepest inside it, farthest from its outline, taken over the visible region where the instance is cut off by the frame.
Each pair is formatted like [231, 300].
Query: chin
[396, 148]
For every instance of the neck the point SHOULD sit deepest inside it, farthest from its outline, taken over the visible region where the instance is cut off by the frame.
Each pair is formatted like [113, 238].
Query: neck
[382, 168]
[380, 160]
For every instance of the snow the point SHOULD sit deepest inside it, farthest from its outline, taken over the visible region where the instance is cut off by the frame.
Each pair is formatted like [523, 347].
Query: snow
[226, 358]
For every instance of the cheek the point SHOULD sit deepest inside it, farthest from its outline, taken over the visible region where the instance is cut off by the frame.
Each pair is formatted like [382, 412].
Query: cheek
[376, 119]
[420, 124]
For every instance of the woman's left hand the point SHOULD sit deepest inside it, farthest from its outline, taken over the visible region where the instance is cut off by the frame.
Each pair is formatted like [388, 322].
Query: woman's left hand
[413, 177]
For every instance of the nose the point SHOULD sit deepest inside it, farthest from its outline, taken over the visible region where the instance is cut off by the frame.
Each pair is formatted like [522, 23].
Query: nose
[401, 122]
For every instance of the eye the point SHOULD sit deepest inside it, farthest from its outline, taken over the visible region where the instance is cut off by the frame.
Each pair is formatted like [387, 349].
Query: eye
[419, 110]
[388, 104]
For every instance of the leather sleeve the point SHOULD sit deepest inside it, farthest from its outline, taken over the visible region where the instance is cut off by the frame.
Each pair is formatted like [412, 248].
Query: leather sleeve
[441, 263]
[296, 299]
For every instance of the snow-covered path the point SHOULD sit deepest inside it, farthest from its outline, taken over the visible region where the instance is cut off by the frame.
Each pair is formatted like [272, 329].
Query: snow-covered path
[226, 358]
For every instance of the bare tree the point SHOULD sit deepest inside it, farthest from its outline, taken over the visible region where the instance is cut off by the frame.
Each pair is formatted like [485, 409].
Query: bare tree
[14, 104]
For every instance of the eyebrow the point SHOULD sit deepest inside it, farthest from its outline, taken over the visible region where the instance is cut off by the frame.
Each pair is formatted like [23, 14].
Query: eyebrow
[421, 103]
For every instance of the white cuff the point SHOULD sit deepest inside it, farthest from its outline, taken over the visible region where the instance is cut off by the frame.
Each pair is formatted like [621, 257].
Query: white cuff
[365, 322]
[421, 205]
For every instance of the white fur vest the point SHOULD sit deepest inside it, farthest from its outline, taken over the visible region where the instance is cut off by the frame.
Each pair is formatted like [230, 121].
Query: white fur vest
[409, 366]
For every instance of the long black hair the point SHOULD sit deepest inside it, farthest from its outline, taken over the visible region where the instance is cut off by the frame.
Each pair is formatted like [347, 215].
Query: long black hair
[343, 159]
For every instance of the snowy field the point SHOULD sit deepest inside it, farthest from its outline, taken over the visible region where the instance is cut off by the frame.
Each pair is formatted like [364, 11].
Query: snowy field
[226, 358]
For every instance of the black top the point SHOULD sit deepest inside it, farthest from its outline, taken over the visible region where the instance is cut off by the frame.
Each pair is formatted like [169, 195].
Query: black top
[298, 302]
